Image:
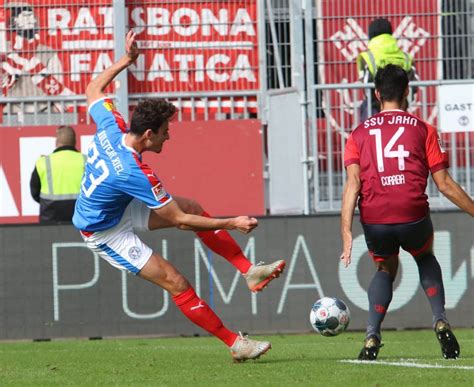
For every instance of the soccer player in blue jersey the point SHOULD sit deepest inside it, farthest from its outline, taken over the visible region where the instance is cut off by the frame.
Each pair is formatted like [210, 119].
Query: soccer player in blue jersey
[120, 194]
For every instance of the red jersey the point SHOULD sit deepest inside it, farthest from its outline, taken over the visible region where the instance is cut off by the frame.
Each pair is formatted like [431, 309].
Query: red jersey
[395, 151]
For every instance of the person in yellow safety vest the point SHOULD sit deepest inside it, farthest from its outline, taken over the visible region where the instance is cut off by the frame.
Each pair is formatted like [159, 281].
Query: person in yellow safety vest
[56, 180]
[382, 50]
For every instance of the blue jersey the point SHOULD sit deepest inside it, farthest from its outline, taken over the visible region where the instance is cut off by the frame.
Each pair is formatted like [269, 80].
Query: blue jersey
[114, 174]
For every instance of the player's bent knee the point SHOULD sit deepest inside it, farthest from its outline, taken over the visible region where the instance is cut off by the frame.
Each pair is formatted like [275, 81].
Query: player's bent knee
[389, 267]
[422, 255]
[176, 283]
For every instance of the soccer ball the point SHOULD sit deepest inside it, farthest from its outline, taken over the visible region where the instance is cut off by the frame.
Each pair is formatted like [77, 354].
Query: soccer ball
[329, 316]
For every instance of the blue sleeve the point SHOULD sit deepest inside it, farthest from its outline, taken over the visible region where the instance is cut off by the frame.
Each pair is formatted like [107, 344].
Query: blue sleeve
[106, 116]
[144, 185]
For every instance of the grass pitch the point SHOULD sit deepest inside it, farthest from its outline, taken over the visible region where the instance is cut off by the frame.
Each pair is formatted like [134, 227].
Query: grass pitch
[408, 358]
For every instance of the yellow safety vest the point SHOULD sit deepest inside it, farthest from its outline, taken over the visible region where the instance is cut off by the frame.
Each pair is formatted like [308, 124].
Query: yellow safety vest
[383, 50]
[60, 175]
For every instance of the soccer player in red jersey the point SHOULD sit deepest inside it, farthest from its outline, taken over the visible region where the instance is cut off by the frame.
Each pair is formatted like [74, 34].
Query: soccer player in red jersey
[120, 194]
[388, 159]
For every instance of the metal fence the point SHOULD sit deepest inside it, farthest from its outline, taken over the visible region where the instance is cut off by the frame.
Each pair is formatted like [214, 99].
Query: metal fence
[221, 60]
[204, 55]
[70, 110]
[330, 141]
[438, 34]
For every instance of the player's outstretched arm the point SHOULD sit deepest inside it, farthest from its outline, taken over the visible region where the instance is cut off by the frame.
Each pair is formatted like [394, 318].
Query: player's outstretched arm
[349, 200]
[95, 89]
[453, 191]
[179, 219]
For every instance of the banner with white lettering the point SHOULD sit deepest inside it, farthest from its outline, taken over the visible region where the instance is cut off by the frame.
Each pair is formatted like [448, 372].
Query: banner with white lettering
[196, 46]
[343, 35]
[186, 46]
[456, 108]
[65, 290]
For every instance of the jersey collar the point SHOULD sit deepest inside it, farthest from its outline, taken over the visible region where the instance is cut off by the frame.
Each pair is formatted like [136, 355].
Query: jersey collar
[130, 148]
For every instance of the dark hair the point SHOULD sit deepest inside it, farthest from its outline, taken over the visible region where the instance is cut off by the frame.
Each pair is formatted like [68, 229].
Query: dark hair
[66, 135]
[151, 114]
[391, 81]
[378, 27]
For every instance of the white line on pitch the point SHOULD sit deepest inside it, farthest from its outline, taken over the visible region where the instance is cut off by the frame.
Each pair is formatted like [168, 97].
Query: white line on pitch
[420, 341]
[407, 364]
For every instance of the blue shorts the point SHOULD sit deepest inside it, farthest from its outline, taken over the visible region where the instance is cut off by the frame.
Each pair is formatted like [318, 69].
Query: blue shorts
[119, 245]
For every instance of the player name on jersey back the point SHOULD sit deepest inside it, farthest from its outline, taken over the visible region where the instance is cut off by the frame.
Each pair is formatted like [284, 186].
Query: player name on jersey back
[391, 120]
[396, 151]
[110, 152]
[396, 119]
[115, 174]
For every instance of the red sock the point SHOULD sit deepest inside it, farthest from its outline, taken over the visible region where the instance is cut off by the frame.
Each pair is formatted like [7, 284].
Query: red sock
[196, 309]
[223, 244]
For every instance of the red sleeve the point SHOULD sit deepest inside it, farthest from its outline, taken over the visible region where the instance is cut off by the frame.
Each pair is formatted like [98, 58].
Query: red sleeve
[435, 153]
[351, 152]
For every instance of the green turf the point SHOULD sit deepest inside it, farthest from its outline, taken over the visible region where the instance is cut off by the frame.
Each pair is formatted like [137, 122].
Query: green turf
[306, 360]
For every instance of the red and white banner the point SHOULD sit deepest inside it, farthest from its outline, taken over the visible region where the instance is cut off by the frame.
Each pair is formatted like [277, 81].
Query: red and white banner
[219, 163]
[196, 46]
[186, 46]
[3, 30]
[415, 25]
